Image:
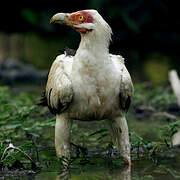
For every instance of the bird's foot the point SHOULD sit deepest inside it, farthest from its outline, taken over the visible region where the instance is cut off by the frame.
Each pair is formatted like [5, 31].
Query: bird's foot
[65, 162]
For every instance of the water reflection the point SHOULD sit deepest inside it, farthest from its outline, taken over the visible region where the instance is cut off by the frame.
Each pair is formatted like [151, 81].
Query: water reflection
[124, 174]
[118, 174]
[65, 175]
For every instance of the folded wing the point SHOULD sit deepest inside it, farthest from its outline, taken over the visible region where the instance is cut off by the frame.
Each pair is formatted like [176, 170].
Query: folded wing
[59, 91]
[126, 87]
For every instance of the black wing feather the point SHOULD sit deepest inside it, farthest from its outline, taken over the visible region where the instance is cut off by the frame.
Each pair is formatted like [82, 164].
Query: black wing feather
[124, 102]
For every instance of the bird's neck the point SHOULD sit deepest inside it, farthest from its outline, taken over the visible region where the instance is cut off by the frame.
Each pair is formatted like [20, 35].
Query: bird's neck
[92, 41]
[93, 49]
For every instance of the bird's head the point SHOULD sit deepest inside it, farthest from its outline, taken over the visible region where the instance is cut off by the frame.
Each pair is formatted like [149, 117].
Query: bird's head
[82, 21]
[85, 22]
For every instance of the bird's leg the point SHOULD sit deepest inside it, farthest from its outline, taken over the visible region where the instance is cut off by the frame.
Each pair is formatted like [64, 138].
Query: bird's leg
[120, 137]
[62, 136]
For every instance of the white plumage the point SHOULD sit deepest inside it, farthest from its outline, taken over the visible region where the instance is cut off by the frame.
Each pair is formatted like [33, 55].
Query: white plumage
[91, 85]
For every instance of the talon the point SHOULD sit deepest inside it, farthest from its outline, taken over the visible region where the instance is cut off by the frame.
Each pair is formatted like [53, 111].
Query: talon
[66, 165]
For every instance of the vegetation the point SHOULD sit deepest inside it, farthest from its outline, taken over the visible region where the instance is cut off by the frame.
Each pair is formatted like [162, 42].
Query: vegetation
[27, 132]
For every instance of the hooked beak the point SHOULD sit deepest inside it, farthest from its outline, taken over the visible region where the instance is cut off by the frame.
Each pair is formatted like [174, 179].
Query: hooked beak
[59, 18]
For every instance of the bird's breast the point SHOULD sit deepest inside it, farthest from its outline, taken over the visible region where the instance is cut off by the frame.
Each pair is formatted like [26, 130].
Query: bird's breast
[95, 93]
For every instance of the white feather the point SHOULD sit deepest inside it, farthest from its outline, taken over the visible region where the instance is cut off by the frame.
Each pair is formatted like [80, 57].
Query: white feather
[85, 25]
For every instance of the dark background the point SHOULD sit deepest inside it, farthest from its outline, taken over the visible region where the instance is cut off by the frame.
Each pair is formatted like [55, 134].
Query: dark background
[146, 33]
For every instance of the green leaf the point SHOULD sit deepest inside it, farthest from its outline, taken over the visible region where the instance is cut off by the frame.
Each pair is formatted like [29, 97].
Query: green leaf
[12, 126]
[99, 132]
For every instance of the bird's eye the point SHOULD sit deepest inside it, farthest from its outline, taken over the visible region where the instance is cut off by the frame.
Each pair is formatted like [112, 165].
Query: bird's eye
[81, 18]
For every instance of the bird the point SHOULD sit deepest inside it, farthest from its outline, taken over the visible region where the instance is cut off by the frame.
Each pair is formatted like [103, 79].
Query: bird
[90, 84]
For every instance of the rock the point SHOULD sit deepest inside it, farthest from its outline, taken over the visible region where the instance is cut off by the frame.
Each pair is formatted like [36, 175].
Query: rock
[13, 71]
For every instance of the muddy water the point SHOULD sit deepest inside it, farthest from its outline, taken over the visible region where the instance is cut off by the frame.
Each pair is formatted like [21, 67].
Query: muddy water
[118, 174]
[140, 170]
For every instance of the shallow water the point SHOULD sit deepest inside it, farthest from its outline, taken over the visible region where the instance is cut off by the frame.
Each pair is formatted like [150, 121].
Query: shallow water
[140, 170]
[166, 167]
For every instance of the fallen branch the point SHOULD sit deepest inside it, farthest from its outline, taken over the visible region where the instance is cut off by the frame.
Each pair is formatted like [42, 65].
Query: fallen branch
[175, 84]
[11, 146]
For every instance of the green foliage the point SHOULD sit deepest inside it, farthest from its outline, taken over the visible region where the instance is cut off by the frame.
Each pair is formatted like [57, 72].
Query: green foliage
[19, 114]
[154, 96]
[93, 137]
[19, 117]
[102, 134]
[137, 141]
[169, 130]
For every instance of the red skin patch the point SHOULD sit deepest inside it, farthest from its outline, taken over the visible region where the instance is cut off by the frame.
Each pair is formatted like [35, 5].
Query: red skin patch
[87, 17]
[76, 18]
